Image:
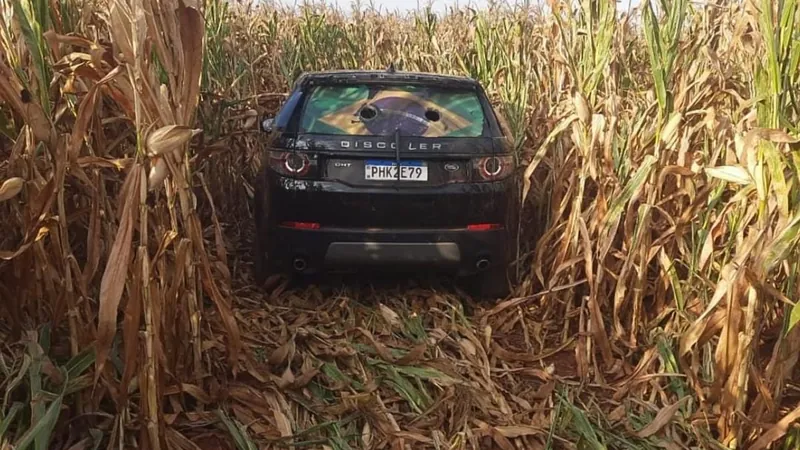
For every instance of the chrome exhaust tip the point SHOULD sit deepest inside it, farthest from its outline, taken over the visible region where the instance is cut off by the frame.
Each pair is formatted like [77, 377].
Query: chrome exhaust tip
[482, 264]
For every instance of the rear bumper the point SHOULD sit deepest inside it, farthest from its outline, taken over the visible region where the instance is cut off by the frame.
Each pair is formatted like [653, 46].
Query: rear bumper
[458, 251]
[336, 204]
[394, 228]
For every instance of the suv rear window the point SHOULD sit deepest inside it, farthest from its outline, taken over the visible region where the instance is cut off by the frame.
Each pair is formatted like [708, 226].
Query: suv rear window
[369, 110]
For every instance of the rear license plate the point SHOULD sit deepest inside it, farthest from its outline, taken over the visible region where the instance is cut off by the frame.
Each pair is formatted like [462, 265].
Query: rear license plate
[387, 170]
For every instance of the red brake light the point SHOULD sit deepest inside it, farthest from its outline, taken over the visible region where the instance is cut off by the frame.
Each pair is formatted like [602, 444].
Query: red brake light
[301, 225]
[483, 226]
[493, 168]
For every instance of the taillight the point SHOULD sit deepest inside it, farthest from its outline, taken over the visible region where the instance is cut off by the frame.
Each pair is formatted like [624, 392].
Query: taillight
[301, 225]
[292, 164]
[484, 227]
[493, 168]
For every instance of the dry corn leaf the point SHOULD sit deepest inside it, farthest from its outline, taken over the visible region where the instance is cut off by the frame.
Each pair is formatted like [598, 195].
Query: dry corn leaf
[131, 324]
[617, 414]
[10, 88]
[661, 420]
[708, 245]
[191, 28]
[467, 347]
[281, 419]
[85, 114]
[777, 431]
[222, 304]
[381, 349]
[115, 274]
[515, 431]
[11, 188]
[414, 355]
[413, 437]
[674, 170]
[545, 390]
[305, 377]
[96, 161]
[501, 440]
[542, 152]
[768, 134]
[366, 435]
[780, 247]
[391, 317]
[282, 353]
[75, 41]
[732, 174]
[120, 18]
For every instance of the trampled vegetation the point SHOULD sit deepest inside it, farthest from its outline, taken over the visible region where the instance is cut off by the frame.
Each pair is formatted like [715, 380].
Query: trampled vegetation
[657, 300]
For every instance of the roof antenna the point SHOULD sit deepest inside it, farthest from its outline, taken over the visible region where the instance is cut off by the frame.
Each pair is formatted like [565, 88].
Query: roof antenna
[391, 68]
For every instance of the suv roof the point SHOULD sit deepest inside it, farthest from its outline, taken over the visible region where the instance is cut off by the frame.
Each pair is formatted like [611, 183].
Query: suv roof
[384, 76]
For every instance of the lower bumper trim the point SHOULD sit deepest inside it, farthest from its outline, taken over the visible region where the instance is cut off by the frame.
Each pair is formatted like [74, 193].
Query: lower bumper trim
[458, 251]
[345, 253]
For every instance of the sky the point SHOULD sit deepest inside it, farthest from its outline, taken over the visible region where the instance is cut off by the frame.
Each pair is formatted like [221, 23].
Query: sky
[438, 5]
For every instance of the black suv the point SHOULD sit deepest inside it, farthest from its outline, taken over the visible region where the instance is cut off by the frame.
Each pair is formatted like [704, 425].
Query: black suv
[369, 169]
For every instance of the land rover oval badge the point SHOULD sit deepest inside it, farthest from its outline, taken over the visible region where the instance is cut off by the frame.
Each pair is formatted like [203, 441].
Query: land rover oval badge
[451, 167]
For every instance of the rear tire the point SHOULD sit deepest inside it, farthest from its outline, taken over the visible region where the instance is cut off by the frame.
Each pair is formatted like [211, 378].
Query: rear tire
[491, 284]
[260, 270]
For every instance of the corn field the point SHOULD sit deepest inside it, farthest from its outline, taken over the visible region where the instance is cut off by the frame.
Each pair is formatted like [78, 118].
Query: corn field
[657, 296]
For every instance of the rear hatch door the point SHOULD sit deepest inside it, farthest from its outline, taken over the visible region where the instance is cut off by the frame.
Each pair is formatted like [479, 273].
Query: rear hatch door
[403, 154]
